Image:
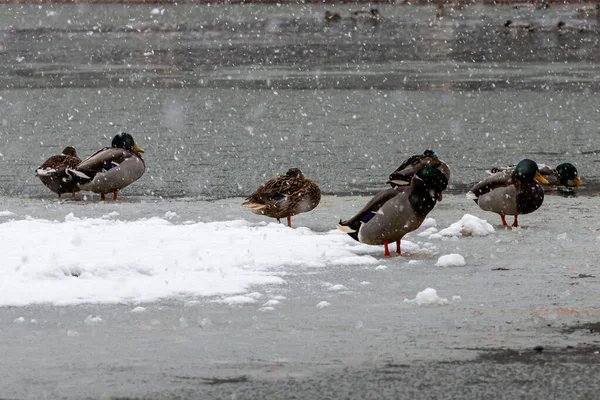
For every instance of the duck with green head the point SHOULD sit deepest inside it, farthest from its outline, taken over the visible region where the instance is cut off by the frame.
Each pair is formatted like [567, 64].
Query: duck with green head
[285, 196]
[404, 173]
[511, 192]
[393, 213]
[111, 168]
[564, 177]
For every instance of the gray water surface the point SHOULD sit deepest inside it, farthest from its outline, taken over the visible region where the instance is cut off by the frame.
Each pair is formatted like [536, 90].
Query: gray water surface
[224, 97]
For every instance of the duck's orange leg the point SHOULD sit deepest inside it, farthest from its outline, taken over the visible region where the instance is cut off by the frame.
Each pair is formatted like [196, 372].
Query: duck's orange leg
[503, 220]
[398, 248]
[515, 222]
[73, 194]
[387, 248]
[289, 219]
[102, 197]
[115, 194]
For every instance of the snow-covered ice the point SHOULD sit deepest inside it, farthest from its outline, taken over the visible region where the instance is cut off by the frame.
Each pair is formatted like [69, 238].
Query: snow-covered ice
[107, 260]
[450, 260]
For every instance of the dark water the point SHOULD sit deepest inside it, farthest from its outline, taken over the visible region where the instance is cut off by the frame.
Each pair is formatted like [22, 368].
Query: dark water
[224, 97]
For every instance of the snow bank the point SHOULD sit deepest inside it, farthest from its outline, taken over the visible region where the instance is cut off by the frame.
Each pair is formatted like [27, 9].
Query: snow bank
[427, 296]
[469, 225]
[106, 260]
[450, 260]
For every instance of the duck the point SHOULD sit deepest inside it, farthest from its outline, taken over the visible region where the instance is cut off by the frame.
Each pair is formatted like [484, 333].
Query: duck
[371, 14]
[53, 173]
[285, 196]
[517, 26]
[332, 17]
[511, 192]
[394, 212]
[112, 168]
[565, 175]
[403, 174]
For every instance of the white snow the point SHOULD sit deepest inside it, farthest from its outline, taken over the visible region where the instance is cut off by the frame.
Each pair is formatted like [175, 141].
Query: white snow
[450, 260]
[237, 300]
[337, 288]
[107, 260]
[170, 215]
[469, 225]
[427, 296]
[19, 320]
[91, 320]
[6, 213]
[380, 267]
[323, 304]
[138, 309]
[271, 303]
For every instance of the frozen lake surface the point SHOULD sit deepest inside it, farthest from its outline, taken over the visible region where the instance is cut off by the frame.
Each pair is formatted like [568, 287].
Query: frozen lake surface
[176, 291]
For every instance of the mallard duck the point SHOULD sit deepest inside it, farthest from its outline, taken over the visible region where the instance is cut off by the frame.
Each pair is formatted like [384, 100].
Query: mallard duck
[53, 173]
[518, 26]
[332, 17]
[372, 14]
[285, 196]
[564, 175]
[112, 168]
[404, 173]
[511, 192]
[393, 213]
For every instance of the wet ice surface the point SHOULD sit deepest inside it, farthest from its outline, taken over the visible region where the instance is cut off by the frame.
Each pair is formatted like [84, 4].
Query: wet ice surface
[517, 290]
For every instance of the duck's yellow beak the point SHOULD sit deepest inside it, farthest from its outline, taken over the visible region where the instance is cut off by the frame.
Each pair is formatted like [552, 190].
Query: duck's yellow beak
[138, 148]
[538, 177]
[577, 181]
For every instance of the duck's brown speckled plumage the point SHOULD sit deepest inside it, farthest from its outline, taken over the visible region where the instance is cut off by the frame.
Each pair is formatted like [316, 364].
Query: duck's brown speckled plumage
[53, 174]
[285, 196]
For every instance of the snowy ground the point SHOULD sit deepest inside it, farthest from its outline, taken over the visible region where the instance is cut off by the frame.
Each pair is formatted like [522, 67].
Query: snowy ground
[144, 296]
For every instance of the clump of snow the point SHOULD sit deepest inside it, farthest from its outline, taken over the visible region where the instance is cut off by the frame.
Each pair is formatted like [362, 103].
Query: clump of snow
[91, 320]
[278, 297]
[428, 232]
[72, 333]
[337, 288]
[138, 309]
[265, 309]
[415, 261]
[323, 304]
[19, 320]
[429, 223]
[469, 225]
[271, 303]
[112, 214]
[456, 298]
[380, 267]
[365, 283]
[170, 215]
[6, 213]
[450, 260]
[427, 296]
[237, 300]
[562, 236]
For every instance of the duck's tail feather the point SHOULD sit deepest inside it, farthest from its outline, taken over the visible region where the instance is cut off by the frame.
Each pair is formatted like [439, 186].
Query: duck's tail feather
[254, 206]
[471, 196]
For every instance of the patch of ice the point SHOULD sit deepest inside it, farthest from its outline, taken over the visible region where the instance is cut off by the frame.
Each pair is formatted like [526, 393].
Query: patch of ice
[427, 296]
[323, 304]
[469, 225]
[138, 309]
[450, 260]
